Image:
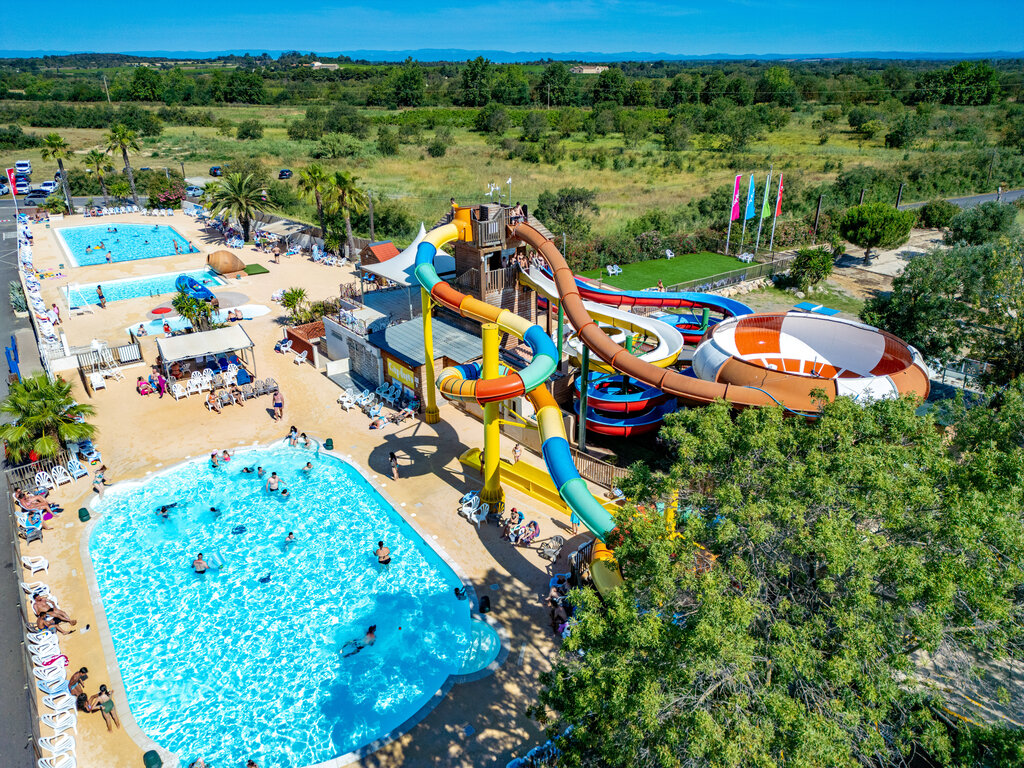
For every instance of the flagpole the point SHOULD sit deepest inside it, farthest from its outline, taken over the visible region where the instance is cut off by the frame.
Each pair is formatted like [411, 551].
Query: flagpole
[743, 235]
[764, 206]
[775, 218]
[728, 232]
[733, 210]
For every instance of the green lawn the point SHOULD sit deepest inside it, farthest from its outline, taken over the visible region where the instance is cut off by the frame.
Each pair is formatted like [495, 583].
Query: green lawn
[645, 274]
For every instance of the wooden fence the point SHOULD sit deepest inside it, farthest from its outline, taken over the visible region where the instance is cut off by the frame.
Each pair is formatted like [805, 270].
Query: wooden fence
[596, 471]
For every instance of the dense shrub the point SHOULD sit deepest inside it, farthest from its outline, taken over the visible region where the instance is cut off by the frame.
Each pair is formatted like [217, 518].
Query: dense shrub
[811, 266]
[936, 214]
[981, 224]
[387, 141]
[335, 145]
[12, 137]
[249, 129]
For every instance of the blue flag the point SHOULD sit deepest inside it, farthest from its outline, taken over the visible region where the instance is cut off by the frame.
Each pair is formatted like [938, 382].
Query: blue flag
[750, 200]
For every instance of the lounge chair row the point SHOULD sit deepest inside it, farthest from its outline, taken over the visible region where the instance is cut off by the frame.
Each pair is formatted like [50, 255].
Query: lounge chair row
[196, 386]
[158, 212]
[49, 669]
[112, 210]
[59, 475]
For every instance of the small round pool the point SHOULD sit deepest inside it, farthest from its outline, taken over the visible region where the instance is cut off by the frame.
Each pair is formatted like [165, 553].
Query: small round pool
[255, 658]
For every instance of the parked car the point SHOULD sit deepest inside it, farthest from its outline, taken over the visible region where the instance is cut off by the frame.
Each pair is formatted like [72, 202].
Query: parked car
[284, 173]
[36, 196]
[48, 186]
[19, 177]
[193, 191]
[21, 187]
[216, 170]
[23, 167]
[147, 168]
[4, 190]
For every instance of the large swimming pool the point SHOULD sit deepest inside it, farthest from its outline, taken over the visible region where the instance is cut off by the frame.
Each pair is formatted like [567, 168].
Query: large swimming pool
[79, 295]
[130, 242]
[248, 661]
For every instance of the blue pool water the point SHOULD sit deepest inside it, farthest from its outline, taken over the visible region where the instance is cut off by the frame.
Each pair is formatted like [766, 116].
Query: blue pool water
[130, 243]
[136, 287]
[247, 661]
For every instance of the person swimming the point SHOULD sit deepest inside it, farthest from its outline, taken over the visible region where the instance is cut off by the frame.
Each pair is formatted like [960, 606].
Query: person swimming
[199, 565]
[308, 467]
[357, 645]
[163, 510]
[273, 482]
[214, 460]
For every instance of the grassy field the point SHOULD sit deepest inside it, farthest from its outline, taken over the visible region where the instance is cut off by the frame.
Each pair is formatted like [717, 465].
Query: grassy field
[645, 274]
[638, 182]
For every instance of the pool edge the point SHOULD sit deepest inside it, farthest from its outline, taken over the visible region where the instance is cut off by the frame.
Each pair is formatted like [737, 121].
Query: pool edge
[171, 759]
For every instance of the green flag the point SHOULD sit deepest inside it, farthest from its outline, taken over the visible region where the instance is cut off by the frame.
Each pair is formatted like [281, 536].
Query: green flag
[764, 203]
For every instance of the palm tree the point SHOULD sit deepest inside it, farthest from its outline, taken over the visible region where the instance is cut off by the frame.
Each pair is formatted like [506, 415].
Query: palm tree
[347, 198]
[313, 182]
[197, 312]
[120, 139]
[238, 196]
[98, 162]
[293, 299]
[45, 416]
[55, 148]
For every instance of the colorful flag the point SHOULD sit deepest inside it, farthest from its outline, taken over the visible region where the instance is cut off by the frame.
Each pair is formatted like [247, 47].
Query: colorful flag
[736, 199]
[778, 198]
[750, 200]
[767, 194]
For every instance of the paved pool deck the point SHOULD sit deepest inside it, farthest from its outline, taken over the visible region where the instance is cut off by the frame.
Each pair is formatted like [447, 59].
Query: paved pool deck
[478, 723]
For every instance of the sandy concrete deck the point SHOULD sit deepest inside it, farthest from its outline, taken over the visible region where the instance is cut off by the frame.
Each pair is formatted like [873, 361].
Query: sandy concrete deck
[477, 723]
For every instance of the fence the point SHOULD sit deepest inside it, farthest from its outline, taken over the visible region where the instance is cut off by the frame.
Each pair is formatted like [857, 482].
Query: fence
[596, 471]
[735, 276]
[24, 477]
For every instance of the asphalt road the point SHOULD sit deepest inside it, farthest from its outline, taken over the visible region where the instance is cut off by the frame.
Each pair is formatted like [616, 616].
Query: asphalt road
[1007, 196]
[16, 733]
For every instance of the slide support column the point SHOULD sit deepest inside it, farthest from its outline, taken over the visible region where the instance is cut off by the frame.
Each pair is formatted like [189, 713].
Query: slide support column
[585, 376]
[432, 414]
[561, 328]
[705, 319]
[492, 493]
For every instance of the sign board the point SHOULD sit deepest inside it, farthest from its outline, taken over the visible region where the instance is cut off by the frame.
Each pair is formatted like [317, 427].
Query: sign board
[400, 373]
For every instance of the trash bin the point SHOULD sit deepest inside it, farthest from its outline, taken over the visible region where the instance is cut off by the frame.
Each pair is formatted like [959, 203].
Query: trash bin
[83, 515]
[152, 759]
[329, 443]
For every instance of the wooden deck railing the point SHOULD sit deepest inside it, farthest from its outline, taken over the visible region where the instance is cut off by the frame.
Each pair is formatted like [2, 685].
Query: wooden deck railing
[596, 471]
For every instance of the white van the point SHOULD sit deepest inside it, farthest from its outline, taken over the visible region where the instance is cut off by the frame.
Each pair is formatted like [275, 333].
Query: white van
[23, 167]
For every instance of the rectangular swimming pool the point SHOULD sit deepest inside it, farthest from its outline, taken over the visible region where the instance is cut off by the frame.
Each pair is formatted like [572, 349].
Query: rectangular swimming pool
[80, 295]
[122, 242]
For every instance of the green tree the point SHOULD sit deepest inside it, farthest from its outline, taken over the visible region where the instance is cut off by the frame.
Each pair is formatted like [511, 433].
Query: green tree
[237, 196]
[146, 85]
[407, 84]
[475, 83]
[998, 338]
[981, 224]
[876, 225]
[611, 86]
[970, 83]
[836, 550]
[567, 210]
[640, 94]
[312, 185]
[197, 312]
[225, 127]
[346, 197]
[776, 86]
[119, 189]
[492, 119]
[535, 125]
[905, 131]
[43, 416]
[249, 129]
[511, 86]
[122, 139]
[294, 299]
[556, 87]
[55, 148]
[99, 164]
[387, 141]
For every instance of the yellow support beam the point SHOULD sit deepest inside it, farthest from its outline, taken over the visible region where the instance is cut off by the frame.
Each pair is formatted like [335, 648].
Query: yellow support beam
[432, 414]
[492, 493]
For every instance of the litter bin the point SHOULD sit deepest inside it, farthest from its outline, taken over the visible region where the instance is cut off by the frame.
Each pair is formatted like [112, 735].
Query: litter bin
[152, 759]
[83, 515]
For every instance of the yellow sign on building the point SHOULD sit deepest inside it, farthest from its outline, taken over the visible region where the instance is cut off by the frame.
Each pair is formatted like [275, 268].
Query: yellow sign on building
[400, 373]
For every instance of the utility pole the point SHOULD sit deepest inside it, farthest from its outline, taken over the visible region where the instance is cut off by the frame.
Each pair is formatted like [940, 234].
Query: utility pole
[182, 164]
[817, 215]
[861, 201]
[899, 196]
[105, 89]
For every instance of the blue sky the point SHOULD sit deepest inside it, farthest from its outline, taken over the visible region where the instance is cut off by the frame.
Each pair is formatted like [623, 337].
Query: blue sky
[724, 26]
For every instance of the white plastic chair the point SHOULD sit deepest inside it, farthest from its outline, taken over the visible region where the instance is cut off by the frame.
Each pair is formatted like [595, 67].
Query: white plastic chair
[75, 468]
[34, 588]
[44, 480]
[58, 745]
[62, 702]
[52, 673]
[480, 515]
[53, 687]
[64, 721]
[35, 564]
[301, 357]
[470, 506]
[178, 391]
[61, 475]
[194, 386]
[67, 760]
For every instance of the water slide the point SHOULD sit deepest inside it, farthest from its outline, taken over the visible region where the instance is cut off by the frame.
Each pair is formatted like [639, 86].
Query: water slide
[462, 382]
[757, 360]
[192, 287]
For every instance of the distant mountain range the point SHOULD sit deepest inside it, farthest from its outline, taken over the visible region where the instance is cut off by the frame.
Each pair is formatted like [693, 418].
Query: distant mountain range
[509, 57]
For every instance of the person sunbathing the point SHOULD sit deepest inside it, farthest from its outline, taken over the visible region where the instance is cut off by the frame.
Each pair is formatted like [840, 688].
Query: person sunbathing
[34, 519]
[48, 621]
[214, 402]
[32, 501]
[237, 394]
[42, 604]
[142, 387]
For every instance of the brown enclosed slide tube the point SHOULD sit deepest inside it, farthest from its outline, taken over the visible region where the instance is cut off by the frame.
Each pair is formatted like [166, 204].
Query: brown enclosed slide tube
[793, 392]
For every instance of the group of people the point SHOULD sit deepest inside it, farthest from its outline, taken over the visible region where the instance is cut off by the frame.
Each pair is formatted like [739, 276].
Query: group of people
[155, 384]
[295, 437]
[214, 397]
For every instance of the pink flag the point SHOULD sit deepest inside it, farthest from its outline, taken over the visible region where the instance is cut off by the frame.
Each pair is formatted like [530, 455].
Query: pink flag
[778, 200]
[736, 200]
